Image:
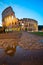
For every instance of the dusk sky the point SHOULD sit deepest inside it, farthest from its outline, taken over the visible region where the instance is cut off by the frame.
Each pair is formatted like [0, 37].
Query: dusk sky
[24, 9]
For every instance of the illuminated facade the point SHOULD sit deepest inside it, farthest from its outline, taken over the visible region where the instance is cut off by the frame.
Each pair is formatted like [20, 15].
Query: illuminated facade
[8, 18]
[9, 21]
[29, 24]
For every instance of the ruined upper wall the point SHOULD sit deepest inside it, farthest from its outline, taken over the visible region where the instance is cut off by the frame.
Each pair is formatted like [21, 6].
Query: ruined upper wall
[8, 11]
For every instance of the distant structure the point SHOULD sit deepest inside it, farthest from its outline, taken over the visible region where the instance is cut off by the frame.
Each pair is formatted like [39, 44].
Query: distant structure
[10, 22]
[29, 24]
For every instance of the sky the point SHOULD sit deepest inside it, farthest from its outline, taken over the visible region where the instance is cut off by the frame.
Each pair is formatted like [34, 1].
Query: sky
[24, 9]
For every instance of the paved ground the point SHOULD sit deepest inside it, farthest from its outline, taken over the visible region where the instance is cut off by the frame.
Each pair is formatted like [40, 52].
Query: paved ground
[24, 39]
[9, 39]
[31, 41]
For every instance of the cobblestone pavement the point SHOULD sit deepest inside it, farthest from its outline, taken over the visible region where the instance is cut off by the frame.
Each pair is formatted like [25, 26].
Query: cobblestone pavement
[25, 40]
[9, 39]
[31, 41]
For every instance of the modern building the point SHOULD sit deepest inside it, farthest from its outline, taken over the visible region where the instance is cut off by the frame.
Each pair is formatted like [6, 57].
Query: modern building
[9, 21]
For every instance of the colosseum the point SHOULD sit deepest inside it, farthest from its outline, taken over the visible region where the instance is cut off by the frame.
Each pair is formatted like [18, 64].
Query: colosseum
[11, 23]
